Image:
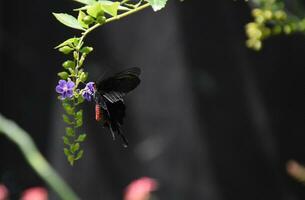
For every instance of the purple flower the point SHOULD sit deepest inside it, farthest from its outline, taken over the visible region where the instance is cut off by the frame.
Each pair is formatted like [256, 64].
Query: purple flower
[65, 88]
[88, 91]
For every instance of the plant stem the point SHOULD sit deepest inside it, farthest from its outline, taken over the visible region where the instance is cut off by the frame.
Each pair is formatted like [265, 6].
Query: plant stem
[35, 159]
[111, 19]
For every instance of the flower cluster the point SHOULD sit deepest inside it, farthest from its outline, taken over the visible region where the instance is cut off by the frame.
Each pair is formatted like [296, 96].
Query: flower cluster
[65, 89]
[88, 91]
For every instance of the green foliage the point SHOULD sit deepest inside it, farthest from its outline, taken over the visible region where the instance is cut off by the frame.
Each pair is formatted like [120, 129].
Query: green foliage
[69, 64]
[271, 18]
[63, 75]
[93, 14]
[68, 20]
[157, 4]
[80, 19]
[65, 49]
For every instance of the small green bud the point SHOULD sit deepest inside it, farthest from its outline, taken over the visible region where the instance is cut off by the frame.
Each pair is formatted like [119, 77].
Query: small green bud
[88, 20]
[301, 25]
[287, 29]
[256, 12]
[266, 32]
[75, 55]
[63, 75]
[294, 26]
[86, 50]
[253, 31]
[101, 19]
[276, 30]
[68, 64]
[260, 19]
[83, 77]
[258, 45]
[82, 59]
[280, 15]
[254, 44]
[267, 14]
[65, 49]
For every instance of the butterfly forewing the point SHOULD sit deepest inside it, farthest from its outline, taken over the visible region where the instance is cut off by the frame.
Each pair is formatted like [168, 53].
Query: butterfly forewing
[122, 82]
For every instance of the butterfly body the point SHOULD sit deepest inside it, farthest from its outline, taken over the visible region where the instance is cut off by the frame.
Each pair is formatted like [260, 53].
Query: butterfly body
[109, 93]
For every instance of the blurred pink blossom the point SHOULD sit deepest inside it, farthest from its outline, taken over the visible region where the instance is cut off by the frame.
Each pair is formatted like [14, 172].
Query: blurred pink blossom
[35, 193]
[3, 192]
[140, 189]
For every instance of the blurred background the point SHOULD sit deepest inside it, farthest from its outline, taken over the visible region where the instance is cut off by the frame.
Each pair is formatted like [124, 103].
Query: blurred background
[211, 120]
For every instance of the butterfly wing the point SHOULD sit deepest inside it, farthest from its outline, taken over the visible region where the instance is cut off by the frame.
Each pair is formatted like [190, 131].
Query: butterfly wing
[109, 97]
[118, 85]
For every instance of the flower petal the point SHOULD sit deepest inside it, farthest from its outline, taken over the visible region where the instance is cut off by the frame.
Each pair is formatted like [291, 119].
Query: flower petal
[62, 83]
[59, 89]
[70, 84]
[69, 93]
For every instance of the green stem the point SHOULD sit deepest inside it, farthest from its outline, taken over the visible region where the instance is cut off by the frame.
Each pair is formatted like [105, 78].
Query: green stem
[36, 160]
[111, 19]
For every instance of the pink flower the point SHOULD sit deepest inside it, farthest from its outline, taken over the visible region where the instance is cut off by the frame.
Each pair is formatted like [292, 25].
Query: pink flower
[3, 192]
[140, 189]
[35, 193]
[296, 170]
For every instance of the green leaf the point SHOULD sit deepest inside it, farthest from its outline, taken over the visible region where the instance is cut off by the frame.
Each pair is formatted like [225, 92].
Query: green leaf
[66, 140]
[63, 75]
[80, 99]
[70, 131]
[157, 4]
[110, 7]
[68, 108]
[79, 118]
[66, 119]
[86, 49]
[79, 114]
[86, 2]
[79, 154]
[65, 49]
[74, 147]
[69, 64]
[80, 18]
[79, 123]
[68, 42]
[95, 10]
[71, 159]
[68, 20]
[81, 138]
[67, 152]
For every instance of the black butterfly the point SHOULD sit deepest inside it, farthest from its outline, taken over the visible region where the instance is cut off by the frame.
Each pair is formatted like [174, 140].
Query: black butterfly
[109, 93]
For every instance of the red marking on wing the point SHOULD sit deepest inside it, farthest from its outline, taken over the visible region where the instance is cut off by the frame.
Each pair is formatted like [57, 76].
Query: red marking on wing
[98, 113]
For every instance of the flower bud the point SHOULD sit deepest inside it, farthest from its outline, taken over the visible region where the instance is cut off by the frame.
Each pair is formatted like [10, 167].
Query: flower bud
[68, 64]
[267, 14]
[287, 29]
[63, 75]
[75, 55]
[86, 50]
[101, 19]
[65, 49]
[88, 20]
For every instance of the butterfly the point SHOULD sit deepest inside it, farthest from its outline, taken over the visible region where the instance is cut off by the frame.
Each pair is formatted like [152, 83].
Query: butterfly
[109, 104]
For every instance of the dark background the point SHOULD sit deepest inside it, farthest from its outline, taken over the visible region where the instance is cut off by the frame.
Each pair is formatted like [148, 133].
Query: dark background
[211, 119]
